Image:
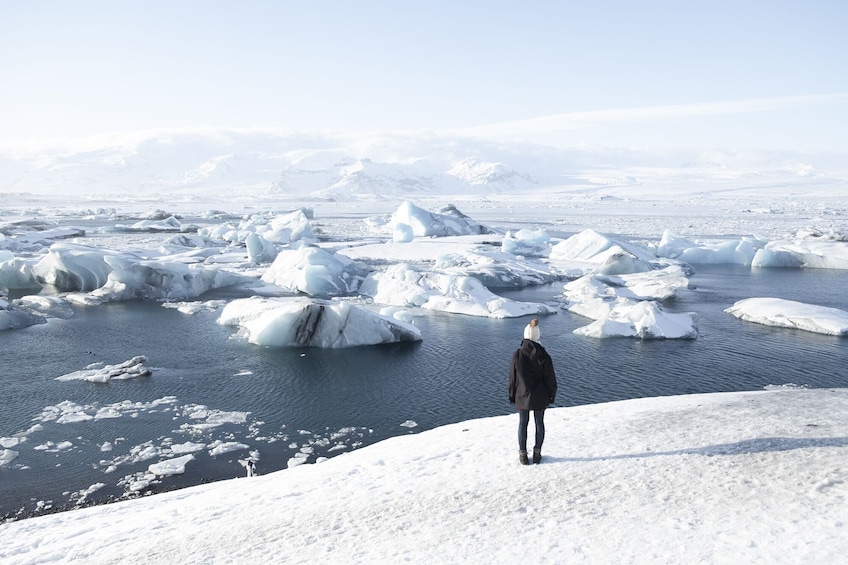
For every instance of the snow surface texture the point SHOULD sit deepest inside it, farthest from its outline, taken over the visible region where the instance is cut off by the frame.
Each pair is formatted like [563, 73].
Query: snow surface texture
[749, 477]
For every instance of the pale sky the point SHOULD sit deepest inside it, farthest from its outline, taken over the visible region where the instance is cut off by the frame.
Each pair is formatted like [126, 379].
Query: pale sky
[771, 74]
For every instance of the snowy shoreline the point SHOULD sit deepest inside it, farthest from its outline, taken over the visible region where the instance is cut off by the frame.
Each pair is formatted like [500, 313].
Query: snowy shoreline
[720, 477]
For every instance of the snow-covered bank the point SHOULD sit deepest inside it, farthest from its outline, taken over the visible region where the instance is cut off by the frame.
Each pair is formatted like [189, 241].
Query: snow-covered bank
[753, 477]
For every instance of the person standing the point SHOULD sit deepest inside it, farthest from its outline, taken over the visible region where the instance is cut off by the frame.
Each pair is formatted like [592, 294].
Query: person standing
[532, 386]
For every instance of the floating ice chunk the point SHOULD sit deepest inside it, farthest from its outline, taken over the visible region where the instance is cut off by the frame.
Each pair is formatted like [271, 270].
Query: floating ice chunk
[790, 314]
[48, 306]
[403, 285]
[259, 249]
[221, 447]
[175, 466]
[449, 221]
[530, 243]
[279, 229]
[72, 267]
[315, 272]
[403, 233]
[660, 284]
[16, 274]
[187, 447]
[8, 442]
[192, 308]
[291, 322]
[497, 269]
[612, 256]
[723, 252]
[812, 254]
[13, 317]
[625, 305]
[7, 456]
[131, 278]
[643, 319]
[157, 225]
[101, 374]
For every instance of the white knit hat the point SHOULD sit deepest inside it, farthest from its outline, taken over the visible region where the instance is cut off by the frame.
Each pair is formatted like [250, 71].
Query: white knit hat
[532, 332]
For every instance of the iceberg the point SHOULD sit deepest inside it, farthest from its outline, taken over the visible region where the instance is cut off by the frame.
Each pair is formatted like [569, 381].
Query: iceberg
[527, 242]
[16, 274]
[406, 286]
[448, 221]
[73, 267]
[497, 269]
[298, 322]
[643, 319]
[790, 314]
[811, 254]
[175, 466]
[99, 373]
[315, 272]
[723, 252]
[132, 279]
[280, 229]
[628, 305]
[14, 317]
[7, 456]
[47, 306]
[611, 255]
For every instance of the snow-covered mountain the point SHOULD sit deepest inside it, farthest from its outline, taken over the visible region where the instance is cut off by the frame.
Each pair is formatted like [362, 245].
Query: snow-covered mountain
[337, 166]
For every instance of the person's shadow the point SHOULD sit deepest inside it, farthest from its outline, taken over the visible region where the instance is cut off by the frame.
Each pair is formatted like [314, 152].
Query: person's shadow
[747, 446]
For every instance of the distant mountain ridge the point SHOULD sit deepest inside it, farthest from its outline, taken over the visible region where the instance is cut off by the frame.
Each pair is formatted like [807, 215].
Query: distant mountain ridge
[340, 166]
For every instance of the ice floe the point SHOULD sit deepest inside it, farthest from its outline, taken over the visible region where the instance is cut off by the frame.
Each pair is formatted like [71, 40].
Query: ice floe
[783, 313]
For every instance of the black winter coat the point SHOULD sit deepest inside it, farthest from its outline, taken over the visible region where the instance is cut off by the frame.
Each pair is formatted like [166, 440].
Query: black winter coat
[532, 382]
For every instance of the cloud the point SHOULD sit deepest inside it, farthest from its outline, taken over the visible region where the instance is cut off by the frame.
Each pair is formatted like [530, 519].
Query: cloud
[580, 120]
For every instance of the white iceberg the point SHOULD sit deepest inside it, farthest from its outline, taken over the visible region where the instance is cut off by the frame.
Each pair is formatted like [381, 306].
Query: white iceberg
[131, 278]
[720, 252]
[527, 242]
[497, 269]
[611, 256]
[7, 456]
[175, 466]
[315, 272]
[99, 373]
[448, 221]
[643, 319]
[628, 305]
[406, 286]
[811, 254]
[790, 314]
[279, 229]
[297, 322]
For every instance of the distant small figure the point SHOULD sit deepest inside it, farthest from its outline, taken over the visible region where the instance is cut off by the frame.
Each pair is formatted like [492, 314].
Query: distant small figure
[251, 467]
[532, 386]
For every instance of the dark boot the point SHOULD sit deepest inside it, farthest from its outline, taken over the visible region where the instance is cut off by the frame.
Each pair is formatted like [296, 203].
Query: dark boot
[522, 457]
[537, 454]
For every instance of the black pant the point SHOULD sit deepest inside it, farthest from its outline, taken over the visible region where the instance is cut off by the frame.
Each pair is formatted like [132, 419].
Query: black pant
[523, 421]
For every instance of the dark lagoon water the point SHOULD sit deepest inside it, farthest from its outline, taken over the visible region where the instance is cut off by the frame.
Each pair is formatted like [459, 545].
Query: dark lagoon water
[310, 403]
